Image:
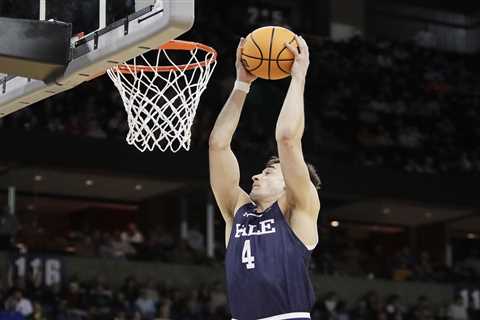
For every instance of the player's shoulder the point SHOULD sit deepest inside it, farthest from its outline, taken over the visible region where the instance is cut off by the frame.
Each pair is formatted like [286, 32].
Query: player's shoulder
[242, 201]
[311, 206]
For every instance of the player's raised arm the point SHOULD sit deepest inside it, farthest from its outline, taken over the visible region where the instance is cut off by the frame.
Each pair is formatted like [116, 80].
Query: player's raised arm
[224, 169]
[301, 193]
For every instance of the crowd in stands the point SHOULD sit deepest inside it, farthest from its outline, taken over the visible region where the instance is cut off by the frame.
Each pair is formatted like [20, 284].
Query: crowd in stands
[381, 103]
[134, 299]
[338, 253]
[401, 105]
[372, 306]
[360, 259]
[97, 299]
[127, 244]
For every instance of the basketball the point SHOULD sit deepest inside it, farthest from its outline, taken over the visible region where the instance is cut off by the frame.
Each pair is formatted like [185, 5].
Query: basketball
[265, 55]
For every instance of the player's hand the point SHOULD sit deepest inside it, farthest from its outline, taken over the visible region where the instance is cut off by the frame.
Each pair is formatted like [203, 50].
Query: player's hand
[302, 59]
[242, 73]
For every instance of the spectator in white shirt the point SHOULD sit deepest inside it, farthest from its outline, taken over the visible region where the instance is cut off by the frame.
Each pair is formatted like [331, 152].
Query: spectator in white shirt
[18, 303]
[457, 310]
[146, 305]
[132, 235]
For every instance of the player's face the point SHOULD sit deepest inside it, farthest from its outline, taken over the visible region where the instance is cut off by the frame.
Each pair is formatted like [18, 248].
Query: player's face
[268, 184]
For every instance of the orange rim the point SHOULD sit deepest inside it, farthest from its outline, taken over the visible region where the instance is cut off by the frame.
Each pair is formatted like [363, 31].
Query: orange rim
[178, 45]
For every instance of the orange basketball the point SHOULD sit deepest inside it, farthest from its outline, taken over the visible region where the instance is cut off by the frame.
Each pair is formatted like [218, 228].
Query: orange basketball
[265, 55]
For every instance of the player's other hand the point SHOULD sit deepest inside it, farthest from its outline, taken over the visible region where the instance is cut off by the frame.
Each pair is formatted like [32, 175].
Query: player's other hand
[242, 73]
[302, 59]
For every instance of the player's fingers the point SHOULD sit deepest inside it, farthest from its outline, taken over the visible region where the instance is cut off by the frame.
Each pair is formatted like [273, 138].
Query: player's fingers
[240, 47]
[303, 45]
[292, 49]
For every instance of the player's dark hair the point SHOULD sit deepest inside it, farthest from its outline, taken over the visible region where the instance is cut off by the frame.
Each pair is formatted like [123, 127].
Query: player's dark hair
[311, 171]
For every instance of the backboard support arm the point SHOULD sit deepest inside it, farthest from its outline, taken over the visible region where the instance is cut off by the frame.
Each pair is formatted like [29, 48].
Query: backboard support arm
[43, 10]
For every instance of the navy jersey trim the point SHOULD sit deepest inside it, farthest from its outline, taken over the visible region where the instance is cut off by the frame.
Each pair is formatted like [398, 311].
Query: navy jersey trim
[287, 316]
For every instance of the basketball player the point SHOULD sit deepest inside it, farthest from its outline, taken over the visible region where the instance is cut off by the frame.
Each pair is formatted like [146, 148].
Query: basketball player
[271, 232]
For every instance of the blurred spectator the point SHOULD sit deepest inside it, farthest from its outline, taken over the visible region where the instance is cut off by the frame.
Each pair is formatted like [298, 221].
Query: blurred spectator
[130, 289]
[393, 308]
[422, 310]
[132, 235]
[116, 247]
[196, 240]
[457, 310]
[424, 269]
[38, 312]
[404, 265]
[121, 247]
[146, 305]
[75, 298]
[327, 307]
[342, 311]
[472, 262]
[18, 303]
[164, 310]
[86, 247]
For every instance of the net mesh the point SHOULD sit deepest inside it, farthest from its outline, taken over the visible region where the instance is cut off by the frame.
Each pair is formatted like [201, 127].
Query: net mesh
[161, 102]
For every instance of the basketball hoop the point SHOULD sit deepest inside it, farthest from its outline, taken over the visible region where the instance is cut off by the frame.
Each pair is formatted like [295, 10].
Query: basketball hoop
[161, 100]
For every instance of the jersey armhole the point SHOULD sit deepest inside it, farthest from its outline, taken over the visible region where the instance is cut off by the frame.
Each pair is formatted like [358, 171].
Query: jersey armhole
[308, 248]
[232, 229]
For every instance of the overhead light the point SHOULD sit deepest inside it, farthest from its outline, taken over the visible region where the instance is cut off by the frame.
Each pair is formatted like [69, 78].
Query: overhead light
[386, 211]
[30, 207]
[334, 223]
[428, 214]
[38, 178]
[138, 187]
[471, 236]
[89, 183]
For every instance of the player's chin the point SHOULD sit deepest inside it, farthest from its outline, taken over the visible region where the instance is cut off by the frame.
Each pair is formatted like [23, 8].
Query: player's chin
[254, 195]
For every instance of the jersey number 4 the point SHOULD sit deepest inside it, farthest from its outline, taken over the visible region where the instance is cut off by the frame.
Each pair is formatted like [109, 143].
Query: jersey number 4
[247, 255]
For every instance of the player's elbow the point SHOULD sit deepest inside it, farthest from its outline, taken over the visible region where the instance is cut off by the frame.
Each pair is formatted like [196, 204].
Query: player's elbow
[287, 137]
[216, 142]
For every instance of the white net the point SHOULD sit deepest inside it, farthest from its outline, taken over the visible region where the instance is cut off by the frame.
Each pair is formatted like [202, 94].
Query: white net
[161, 102]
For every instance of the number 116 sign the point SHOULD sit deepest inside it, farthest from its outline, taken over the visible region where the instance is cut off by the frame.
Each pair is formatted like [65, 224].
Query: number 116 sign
[41, 269]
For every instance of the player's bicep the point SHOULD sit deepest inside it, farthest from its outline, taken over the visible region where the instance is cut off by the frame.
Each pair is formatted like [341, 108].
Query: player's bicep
[224, 180]
[300, 190]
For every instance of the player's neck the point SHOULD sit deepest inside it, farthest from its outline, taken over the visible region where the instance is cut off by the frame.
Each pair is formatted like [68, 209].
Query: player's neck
[263, 205]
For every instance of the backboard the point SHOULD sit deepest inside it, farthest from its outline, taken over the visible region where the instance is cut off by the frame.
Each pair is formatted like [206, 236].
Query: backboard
[113, 32]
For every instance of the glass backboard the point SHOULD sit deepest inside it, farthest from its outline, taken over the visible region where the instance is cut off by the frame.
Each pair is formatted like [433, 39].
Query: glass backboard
[114, 31]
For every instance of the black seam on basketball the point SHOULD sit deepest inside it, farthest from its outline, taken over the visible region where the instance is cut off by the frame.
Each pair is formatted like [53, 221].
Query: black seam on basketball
[281, 69]
[270, 53]
[259, 50]
[285, 47]
[257, 58]
[259, 65]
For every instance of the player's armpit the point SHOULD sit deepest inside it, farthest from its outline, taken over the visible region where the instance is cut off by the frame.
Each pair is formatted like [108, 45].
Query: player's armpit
[304, 225]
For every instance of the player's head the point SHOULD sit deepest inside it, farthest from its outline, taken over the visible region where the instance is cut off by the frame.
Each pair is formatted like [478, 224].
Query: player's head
[269, 184]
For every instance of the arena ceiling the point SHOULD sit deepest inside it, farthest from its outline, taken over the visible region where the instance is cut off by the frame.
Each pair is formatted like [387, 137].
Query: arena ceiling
[82, 185]
[396, 213]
